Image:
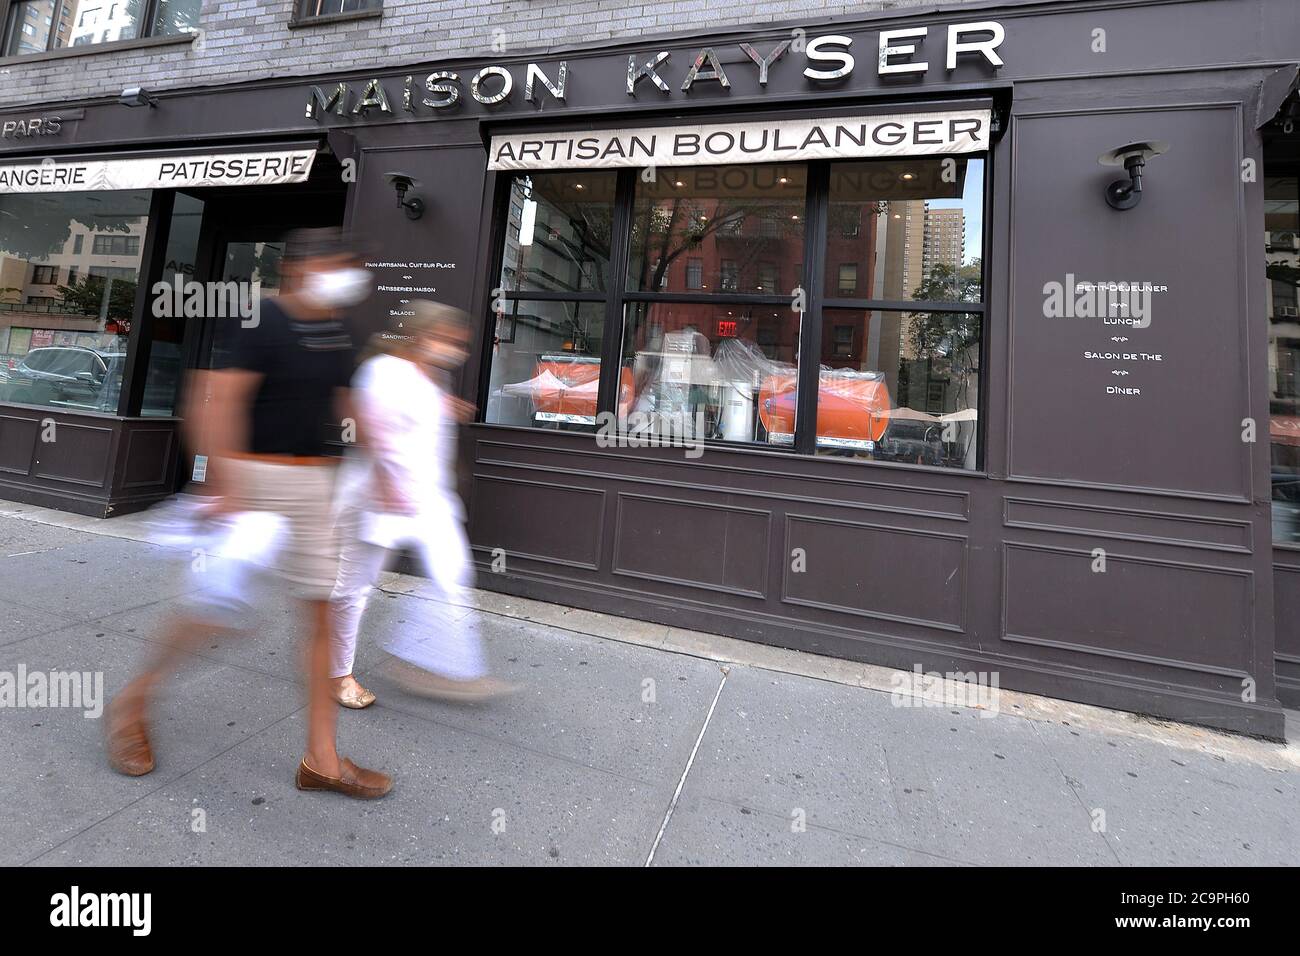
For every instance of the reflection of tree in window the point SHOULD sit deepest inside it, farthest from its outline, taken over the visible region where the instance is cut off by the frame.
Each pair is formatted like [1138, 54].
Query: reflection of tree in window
[111, 297]
[571, 228]
[683, 208]
[944, 346]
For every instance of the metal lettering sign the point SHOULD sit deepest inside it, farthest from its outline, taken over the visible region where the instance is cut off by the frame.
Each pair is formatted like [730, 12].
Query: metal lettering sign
[824, 62]
[27, 127]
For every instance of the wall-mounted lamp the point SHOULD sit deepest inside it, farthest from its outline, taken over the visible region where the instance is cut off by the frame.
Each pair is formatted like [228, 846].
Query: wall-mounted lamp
[1127, 193]
[137, 96]
[403, 183]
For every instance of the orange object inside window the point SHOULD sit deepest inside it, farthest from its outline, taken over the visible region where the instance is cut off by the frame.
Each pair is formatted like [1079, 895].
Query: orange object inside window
[845, 409]
[575, 392]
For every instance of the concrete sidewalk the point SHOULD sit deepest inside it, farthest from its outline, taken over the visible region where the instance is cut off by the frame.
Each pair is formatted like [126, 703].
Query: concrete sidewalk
[630, 743]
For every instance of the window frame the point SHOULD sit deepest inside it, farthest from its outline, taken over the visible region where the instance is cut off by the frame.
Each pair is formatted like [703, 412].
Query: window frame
[9, 22]
[301, 17]
[45, 270]
[813, 266]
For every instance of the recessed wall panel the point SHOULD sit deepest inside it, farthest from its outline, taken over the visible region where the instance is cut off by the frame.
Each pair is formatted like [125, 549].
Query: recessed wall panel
[554, 523]
[1128, 608]
[876, 571]
[698, 544]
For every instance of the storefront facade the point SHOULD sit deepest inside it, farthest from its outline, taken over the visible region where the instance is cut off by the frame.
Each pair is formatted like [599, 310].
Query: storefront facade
[823, 336]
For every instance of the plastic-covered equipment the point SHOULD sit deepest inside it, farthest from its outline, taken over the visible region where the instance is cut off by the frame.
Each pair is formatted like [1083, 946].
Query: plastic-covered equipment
[852, 407]
[740, 366]
[564, 389]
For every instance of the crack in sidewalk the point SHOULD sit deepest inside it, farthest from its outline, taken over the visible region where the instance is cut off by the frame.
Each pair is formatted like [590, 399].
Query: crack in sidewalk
[690, 761]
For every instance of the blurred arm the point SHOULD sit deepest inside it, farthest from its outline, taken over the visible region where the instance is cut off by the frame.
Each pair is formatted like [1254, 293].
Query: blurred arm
[216, 417]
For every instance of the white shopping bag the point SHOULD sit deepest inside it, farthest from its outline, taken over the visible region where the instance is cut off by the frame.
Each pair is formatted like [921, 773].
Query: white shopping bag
[226, 551]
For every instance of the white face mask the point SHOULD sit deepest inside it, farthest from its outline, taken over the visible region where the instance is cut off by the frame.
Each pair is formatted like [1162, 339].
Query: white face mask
[337, 288]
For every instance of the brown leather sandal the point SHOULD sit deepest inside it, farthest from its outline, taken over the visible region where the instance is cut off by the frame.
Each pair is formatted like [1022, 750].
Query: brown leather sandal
[127, 738]
[352, 781]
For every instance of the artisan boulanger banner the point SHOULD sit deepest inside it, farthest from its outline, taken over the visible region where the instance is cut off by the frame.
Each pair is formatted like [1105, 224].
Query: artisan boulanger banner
[844, 137]
[173, 171]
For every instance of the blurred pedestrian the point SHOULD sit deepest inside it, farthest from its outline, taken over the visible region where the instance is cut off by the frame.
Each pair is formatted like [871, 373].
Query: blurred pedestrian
[401, 493]
[268, 436]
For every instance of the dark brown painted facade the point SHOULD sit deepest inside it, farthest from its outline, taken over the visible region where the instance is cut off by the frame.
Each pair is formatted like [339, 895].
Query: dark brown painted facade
[1198, 614]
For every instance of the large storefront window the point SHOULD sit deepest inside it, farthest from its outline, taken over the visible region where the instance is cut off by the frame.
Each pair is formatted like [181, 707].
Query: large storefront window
[714, 306]
[549, 326]
[1282, 258]
[731, 238]
[36, 26]
[66, 300]
[899, 385]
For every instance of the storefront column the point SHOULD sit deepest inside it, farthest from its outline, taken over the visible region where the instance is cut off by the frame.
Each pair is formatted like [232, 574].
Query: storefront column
[141, 335]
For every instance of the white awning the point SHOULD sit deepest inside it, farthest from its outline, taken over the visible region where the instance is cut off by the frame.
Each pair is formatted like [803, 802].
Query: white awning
[758, 141]
[241, 166]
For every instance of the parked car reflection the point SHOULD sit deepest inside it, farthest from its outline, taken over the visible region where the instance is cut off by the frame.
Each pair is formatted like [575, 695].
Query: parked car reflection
[67, 376]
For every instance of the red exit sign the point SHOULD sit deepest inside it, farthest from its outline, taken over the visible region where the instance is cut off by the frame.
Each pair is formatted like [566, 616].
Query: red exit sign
[727, 329]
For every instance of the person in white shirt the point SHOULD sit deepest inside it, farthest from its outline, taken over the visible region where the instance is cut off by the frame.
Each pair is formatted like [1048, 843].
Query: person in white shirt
[400, 492]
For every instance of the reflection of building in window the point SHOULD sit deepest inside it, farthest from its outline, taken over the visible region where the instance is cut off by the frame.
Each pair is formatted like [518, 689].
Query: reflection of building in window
[112, 272]
[848, 284]
[321, 8]
[901, 232]
[729, 275]
[936, 390]
[557, 238]
[32, 27]
[695, 273]
[842, 341]
[37, 280]
[102, 23]
[944, 237]
[116, 245]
